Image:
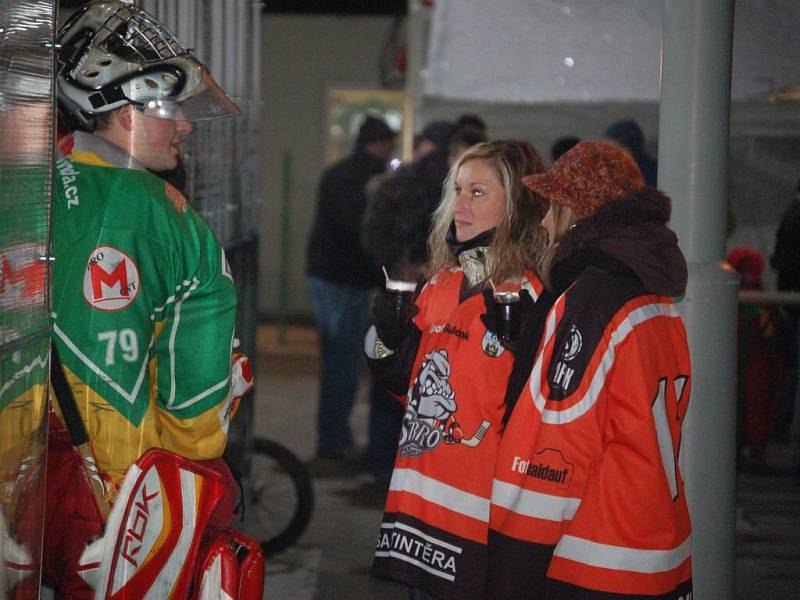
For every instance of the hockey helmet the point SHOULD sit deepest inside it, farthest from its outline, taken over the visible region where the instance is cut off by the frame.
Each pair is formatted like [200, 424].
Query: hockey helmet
[112, 54]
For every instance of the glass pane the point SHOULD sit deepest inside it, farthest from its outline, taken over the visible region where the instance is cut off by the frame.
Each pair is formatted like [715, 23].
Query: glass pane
[26, 147]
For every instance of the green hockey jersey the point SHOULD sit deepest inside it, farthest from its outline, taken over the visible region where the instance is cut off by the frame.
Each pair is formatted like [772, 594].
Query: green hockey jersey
[144, 308]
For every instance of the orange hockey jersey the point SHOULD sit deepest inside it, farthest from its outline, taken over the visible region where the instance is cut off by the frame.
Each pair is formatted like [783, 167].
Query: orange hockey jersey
[434, 530]
[588, 500]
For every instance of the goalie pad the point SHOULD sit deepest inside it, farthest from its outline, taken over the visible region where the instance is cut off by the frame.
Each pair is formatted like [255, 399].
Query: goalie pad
[17, 562]
[154, 531]
[232, 568]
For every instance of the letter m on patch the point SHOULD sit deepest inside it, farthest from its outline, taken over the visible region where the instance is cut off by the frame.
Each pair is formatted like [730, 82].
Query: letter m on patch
[118, 276]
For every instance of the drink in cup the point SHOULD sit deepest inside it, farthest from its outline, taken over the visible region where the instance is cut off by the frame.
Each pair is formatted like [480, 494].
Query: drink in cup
[401, 296]
[506, 310]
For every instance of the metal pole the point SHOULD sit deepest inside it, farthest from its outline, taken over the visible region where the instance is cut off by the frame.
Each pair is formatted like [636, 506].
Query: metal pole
[416, 42]
[283, 275]
[256, 51]
[243, 48]
[201, 32]
[216, 53]
[255, 117]
[186, 23]
[693, 171]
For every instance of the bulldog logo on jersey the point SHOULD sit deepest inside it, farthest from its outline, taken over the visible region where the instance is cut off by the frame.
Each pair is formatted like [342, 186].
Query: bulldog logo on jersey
[430, 415]
[111, 279]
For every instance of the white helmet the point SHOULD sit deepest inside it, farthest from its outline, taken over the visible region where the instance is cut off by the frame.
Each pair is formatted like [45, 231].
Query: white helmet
[112, 54]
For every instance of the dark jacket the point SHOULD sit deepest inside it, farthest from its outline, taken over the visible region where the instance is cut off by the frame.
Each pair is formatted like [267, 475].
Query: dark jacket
[398, 220]
[334, 248]
[633, 232]
[629, 134]
[786, 259]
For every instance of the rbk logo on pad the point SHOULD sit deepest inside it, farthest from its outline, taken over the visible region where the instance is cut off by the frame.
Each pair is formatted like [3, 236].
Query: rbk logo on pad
[111, 279]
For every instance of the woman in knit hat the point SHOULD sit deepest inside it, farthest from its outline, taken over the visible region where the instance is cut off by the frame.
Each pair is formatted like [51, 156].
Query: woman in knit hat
[450, 370]
[588, 499]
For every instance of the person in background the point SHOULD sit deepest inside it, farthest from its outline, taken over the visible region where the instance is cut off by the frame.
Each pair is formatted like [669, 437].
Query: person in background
[461, 141]
[473, 122]
[451, 371]
[588, 500]
[434, 136]
[761, 362]
[561, 145]
[628, 133]
[786, 262]
[398, 217]
[340, 275]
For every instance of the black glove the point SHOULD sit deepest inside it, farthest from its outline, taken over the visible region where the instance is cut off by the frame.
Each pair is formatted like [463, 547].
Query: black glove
[531, 328]
[526, 313]
[390, 329]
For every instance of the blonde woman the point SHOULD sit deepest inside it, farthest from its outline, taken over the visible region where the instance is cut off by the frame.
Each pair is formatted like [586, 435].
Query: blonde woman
[451, 372]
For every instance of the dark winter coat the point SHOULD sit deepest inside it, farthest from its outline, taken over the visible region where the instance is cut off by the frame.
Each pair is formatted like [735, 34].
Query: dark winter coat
[786, 259]
[334, 249]
[633, 232]
[398, 220]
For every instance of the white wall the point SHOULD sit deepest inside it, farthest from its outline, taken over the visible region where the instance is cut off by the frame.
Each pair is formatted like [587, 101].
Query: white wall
[303, 57]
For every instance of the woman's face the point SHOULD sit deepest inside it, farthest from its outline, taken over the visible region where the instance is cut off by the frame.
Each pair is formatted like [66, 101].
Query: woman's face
[480, 202]
[549, 224]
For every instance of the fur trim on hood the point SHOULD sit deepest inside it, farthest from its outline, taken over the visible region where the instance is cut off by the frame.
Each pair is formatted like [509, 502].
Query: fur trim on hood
[633, 230]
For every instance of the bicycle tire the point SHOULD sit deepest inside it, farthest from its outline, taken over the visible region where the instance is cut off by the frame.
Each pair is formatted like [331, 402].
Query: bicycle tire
[284, 535]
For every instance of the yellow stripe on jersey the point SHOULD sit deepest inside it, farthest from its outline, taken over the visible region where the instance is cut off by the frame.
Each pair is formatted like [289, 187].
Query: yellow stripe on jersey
[89, 158]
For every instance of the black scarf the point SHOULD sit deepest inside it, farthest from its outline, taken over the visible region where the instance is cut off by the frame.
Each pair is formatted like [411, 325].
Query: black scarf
[482, 239]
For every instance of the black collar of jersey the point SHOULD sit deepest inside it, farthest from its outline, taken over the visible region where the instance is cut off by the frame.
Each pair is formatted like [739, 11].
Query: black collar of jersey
[566, 271]
[482, 239]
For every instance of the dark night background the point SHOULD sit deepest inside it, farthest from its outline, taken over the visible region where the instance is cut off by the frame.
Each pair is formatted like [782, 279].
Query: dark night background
[346, 7]
[342, 7]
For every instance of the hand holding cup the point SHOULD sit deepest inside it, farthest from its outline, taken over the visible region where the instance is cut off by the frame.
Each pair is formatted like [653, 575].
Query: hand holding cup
[401, 298]
[506, 311]
[505, 314]
[392, 311]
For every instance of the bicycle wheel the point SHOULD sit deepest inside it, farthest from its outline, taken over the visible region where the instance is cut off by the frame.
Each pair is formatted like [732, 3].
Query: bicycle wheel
[278, 497]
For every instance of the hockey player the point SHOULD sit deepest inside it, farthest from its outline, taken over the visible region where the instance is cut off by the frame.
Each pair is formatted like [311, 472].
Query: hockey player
[144, 307]
[588, 500]
[452, 370]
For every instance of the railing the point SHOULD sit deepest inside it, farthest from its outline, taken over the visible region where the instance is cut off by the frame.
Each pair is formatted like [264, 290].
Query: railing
[769, 297]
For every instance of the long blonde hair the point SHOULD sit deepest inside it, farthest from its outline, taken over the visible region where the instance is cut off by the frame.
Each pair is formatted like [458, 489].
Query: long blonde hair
[563, 219]
[519, 239]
